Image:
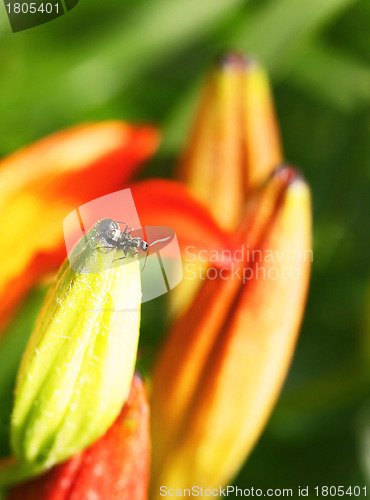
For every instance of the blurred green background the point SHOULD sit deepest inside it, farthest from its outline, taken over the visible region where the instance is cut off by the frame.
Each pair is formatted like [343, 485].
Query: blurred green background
[145, 61]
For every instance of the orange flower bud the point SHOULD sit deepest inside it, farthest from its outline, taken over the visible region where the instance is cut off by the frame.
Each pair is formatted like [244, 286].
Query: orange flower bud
[225, 360]
[233, 147]
[234, 144]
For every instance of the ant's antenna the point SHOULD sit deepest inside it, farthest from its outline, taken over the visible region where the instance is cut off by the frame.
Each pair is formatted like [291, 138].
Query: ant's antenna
[154, 242]
[146, 256]
[159, 241]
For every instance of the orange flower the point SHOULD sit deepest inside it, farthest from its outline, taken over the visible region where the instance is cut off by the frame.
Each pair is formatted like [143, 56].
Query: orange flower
[43, 182]
[225, 360]
[116, 467]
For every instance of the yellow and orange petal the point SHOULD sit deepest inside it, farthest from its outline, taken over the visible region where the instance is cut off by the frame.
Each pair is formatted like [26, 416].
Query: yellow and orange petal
[43, 182]
[162, 202]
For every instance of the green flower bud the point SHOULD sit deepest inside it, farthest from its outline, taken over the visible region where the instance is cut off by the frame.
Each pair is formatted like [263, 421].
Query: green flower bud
[77, 369]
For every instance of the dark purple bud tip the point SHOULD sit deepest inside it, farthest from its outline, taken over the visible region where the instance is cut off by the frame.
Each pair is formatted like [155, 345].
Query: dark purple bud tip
[235, 61]
[288, 174]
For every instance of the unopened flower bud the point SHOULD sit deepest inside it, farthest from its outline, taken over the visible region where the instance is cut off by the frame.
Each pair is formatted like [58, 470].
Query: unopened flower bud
[225, 360]
[77, 369]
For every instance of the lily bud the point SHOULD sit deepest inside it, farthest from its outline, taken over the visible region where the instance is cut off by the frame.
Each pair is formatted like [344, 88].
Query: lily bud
[224, 363]
[77, 369]
[234, 146]
[116, 467]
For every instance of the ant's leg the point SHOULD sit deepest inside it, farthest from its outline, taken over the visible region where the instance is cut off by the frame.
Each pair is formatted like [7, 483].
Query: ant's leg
[125, 231]
[125, 252]
[121, 222]
[121, 258]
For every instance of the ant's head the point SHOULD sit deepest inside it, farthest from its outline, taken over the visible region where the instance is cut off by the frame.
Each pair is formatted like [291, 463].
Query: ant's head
[144, 245]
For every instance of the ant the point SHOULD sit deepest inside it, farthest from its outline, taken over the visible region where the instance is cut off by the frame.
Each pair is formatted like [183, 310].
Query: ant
[110, 234]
